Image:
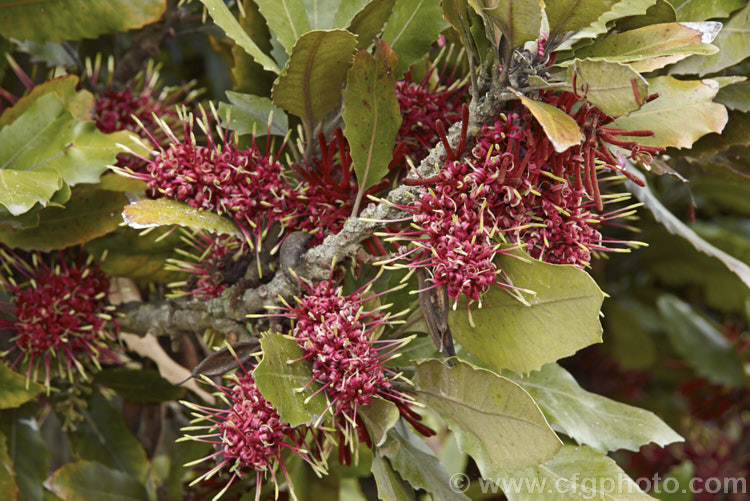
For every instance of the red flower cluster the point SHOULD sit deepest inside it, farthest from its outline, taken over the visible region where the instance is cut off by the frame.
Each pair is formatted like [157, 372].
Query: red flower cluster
[61, 312]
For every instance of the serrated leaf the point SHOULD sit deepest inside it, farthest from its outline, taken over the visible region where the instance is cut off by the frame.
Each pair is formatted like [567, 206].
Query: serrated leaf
[371, 113]
[249, 114]
[66, 20]
[167, 212]
[615, 88]
[700, 10]
[519, 20]
[701, 344]
[79, 103]
[370, 20]
[86, 480]
[88, 215]
[310, 84]
[593, 420]
[347, 9]
[682, 113]
[500, 426]
[281, 382]
[677, 227]
[287, 19]
[391, 487]
[227, 22]
[20, 191]
[22, 434]
[8, 487]
[733, 42]
[379, 417]
[572, 15]
[418, 465]
[247, 75]
[139, 385]
[104, 437]
[561, 129]
[563, 316]
[16, 391]
[621, 9]
[412, 29]
[574, 474]
[655, 46]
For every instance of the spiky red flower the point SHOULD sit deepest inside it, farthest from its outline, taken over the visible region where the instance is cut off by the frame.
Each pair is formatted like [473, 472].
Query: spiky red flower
[248, 434]
[245, 184]
[60, 313]
[336, 333]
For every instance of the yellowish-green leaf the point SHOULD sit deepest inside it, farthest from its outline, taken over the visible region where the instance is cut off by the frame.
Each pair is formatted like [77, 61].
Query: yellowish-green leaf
[310, 84]
[682, 113]
[615, 88]
[287, 19]
[369, 21]
[563, 316]
[165, 211]
[250, 114]
[82, 480]
[518, 20]
[561, 129]
[16, 391]
[79, 103]
[700, 10]
[572, 15]
[412, 29]
[227, 22]
[500, 426]
[8, 487]
[379, 417]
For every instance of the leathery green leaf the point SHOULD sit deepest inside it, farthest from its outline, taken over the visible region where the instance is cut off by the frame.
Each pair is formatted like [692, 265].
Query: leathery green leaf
[166, 212]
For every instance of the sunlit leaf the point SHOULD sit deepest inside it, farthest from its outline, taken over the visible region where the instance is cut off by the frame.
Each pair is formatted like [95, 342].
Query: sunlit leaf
[700, 10]
[412, 29]
[561, 129]
[572, 15]
[287, 19]
[593, 420]
[16, 391]
[79, 103]
[518, 20]
[615, 88]
[500, 426]
[167, 212]
[563, 316]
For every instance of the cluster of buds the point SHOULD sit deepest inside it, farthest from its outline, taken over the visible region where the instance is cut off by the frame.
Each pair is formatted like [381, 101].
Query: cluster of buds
[337, 336]
[61, 316]
[247, 435]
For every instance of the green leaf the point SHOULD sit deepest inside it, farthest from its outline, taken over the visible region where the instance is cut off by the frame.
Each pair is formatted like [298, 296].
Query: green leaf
[677, 227]
[519, 20]
[279, 381]
[138, 257]
[321, 13]
[371, 113]
[682, 113]
[227, 22]
[250, 114]
[654, 46]
[391, 487]
[412, 29]
[8, 487]
[736, 96]
[79, 103]
[89, 214]
[66, 20]
[369, 21]
[621, 9]
[287, 19]
[500, 426]
[104, 437]
[347, 10]
[310, 84]
[575, 473]
[47, 145]
[563, 316]
[660, 12]
[379, 417]
[560, 127]
[609, 86]
[26, 449]
[734, 46]
[246, 73]
[700, 343]
[700, 10]
[139, 385]
[593, 420]
[166, 212]
[572, 15]
[17, 390]
[86, 480]
[417, 464]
